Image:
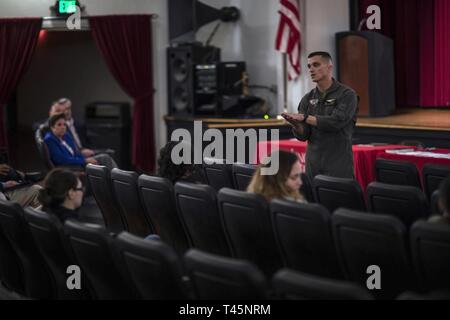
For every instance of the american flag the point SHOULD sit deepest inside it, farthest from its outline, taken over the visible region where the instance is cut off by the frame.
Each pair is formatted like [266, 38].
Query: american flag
[288, 35]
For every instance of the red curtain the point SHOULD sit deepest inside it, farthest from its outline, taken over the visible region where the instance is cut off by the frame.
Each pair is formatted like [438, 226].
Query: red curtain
[399, 21]
[435, 53]
[18, 39]
[126, 44]
[421, 33]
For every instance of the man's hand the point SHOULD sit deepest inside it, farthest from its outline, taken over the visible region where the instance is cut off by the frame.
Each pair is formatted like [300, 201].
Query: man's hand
[10, 183]
[87, 152]
[91, 161]
[4, 169]
[294, 119]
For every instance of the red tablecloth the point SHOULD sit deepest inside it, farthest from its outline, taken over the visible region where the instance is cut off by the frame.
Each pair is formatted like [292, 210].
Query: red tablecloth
[364, 156]
[418, 160]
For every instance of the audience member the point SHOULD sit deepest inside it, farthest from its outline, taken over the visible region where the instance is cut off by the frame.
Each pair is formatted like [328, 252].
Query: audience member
[15, 187]
[63, 150]
[285, 184]
[177, 172]
[444, 203]
[62, 194]
[64, 105]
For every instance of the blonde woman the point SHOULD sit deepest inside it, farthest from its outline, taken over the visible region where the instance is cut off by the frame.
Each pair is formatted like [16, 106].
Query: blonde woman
[285, 184]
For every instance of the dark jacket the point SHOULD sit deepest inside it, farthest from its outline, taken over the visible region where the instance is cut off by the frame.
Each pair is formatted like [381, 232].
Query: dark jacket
[59, 154]
[62, 213]
[329, 150]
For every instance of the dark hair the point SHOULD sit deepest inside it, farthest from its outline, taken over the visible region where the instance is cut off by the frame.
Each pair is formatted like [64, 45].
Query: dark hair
[323, 54]
[169, 170]
[56, 185]
[54, 118]
[444, 195]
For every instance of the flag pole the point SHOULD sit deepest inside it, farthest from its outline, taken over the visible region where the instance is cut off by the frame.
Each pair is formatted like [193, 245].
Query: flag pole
[285, 84]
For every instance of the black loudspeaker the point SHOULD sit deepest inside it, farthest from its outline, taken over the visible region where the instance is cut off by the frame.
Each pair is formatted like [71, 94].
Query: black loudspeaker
[365, 63]
[185, 97]
[108, 126]
[232, 78]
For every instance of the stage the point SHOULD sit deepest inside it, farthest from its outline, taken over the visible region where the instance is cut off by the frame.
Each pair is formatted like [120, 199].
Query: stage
[429, 126]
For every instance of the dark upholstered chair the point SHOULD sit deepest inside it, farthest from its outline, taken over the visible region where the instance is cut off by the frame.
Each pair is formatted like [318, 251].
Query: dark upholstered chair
[303, 234]
[220, 278]
[125, 185]
[246, 221]
[158, 197]
[397, 172]
[99, 179]
[197, 207]
[242, 175]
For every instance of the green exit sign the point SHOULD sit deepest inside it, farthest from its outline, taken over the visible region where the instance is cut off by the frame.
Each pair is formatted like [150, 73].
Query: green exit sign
[67, 6]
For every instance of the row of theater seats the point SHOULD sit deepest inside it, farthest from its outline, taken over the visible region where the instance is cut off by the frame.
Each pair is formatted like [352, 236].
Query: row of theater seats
[36, 251]
[238, 224]
[406, 173]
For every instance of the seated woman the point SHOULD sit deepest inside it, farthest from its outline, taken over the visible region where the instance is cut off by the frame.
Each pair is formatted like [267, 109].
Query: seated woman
[62, 194]
[63, 150]
[177, 172]
[285, 184]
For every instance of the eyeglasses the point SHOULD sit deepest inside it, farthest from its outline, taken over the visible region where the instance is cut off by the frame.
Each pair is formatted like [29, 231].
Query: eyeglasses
[82, 189]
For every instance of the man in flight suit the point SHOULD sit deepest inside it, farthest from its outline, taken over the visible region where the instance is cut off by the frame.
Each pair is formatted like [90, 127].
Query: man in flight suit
[326, 118]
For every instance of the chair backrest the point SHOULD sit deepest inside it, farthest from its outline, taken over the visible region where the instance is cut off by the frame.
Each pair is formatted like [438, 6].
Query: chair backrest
[218, 175]
[48, 234]
[242, 175]
[433, 175]
[92, 246]
[303, 235]
[158, 198]
[307, 189]
[294, 285]
[222, 278]
[397, 172]
[197, 207]
[151, 267]
[37, 280]
[366, 241]
[11, 269]
[335, 193]
[405, 202]
[246, 221]
[434, 203]
[42, 147]
[125, 186]
[430, 245]
[99, 179]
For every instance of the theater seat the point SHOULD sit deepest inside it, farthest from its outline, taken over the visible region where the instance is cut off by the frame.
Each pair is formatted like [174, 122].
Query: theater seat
[242, 175]
[92, 247]
[430, 246]
[151, 267]
[433, 175]
[246, 221]
[197, 207]
[218, 175]
[363, 240]
[405, 202]
[397, 172]
[36, 278]
[303, 234]
[294, 285]
[334, 193]
[220, 278]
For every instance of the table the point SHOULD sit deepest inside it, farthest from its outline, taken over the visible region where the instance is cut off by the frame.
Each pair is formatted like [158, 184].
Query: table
[364, 156]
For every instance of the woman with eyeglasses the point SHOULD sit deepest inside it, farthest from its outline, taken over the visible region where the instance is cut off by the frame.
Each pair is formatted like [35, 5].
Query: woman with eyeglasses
[62, 194]
[285, 184]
